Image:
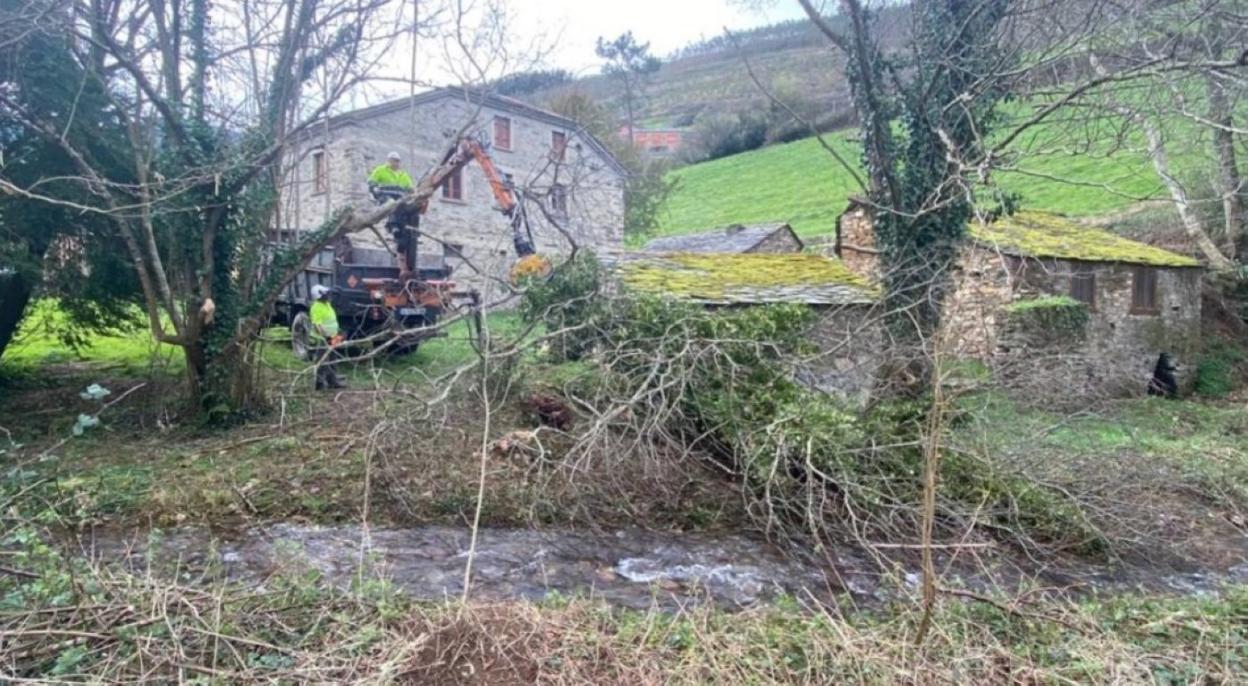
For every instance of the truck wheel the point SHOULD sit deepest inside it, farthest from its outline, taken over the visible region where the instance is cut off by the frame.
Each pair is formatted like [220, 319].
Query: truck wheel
[406, 345]
[300, 333]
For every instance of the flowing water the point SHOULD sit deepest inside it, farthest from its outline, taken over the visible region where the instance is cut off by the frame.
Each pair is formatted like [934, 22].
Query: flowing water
[634, 568]
[631, 568]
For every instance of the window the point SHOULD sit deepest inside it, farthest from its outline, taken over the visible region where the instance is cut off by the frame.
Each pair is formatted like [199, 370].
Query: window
[453, 186]
[559, 198]
[1083, 287]
[320, 172]
[502, 133]
[558, 144]
[1144, 291]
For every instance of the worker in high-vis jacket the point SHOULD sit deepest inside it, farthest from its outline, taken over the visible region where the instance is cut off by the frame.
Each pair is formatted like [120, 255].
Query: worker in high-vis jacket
[326, 337]
[390, 176]
[389, 182]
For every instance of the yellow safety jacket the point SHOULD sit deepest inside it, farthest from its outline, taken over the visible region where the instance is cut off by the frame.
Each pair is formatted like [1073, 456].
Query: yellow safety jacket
[385, 176]
[323, 316]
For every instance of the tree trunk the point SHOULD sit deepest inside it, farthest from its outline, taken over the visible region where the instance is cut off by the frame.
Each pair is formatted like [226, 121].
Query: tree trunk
[1178, 194]
[196, 373]
[222, 374]
[1230, 185]
[15, 292]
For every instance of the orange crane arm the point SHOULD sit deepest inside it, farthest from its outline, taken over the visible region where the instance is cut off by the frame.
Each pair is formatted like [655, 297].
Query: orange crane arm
[502, 192]
[470, 148]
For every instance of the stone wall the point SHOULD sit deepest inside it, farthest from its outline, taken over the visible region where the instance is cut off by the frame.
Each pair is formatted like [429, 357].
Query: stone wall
[1113, 356]
[981, 287]
[481, 235]
[779, 242]
[855, 243]
[1120, 346]
[849, 339]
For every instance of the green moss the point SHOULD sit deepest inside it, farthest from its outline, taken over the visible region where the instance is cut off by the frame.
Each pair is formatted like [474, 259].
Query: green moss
[1056, 315]
[716, 276]
[1040, 234]
[1048, 301]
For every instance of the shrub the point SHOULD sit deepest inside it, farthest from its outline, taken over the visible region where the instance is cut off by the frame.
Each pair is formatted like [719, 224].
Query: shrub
[567, 303]
[1217, 371]
[645, 194]
[720, 135]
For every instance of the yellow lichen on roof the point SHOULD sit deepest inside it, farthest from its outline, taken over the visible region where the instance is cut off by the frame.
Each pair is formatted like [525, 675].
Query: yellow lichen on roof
[718, 276]
[1039, 234]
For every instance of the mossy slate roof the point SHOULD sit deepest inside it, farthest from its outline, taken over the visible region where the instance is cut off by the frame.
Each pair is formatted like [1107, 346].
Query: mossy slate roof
[749, 278]
[1039, 234]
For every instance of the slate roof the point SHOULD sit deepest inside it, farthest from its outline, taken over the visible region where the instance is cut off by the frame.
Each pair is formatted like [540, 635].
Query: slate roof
[743, 279]
[731, 239]
[1039, 234]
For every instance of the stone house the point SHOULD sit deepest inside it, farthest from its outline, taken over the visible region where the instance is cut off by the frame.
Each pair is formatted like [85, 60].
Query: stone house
[576, 180]
[738, 238]
[846, 331]
[1055, 306]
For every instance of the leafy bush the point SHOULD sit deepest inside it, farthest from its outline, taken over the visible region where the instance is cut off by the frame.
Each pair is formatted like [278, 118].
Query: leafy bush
[567, 303]
[1217, 371]
[720, 135]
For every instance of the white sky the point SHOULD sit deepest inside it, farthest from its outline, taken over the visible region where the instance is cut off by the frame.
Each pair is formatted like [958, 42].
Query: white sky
[666, 24]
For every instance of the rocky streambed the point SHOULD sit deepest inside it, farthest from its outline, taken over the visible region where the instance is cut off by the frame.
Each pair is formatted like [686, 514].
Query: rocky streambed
[632, 568]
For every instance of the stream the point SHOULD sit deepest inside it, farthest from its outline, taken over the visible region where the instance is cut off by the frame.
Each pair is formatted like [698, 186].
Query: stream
[632, 568]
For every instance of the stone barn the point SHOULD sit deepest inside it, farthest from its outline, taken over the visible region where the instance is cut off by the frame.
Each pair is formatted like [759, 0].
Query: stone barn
[1056, 306]
[754, 238]
[576, 180]
[846, 330]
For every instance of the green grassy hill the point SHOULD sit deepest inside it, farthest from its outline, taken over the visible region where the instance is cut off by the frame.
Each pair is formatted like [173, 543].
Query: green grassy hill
[802, 183]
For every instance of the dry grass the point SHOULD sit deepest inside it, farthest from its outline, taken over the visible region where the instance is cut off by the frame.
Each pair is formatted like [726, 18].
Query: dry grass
[319, 457]
[110, 626]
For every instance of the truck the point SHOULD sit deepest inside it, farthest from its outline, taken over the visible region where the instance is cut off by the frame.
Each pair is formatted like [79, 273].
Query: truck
[396, 295]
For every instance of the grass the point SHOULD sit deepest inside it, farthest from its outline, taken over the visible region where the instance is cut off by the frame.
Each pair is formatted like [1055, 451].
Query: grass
[1188, 431]
[1163, 478]
[128, 349]
[796, 182]
[802, 184]
[435, 357]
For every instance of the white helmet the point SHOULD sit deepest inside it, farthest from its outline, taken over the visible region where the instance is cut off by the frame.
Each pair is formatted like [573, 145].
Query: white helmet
[393, 156]
[319, 291]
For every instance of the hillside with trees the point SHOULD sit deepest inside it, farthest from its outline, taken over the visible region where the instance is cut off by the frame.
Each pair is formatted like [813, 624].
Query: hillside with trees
[708, 77]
